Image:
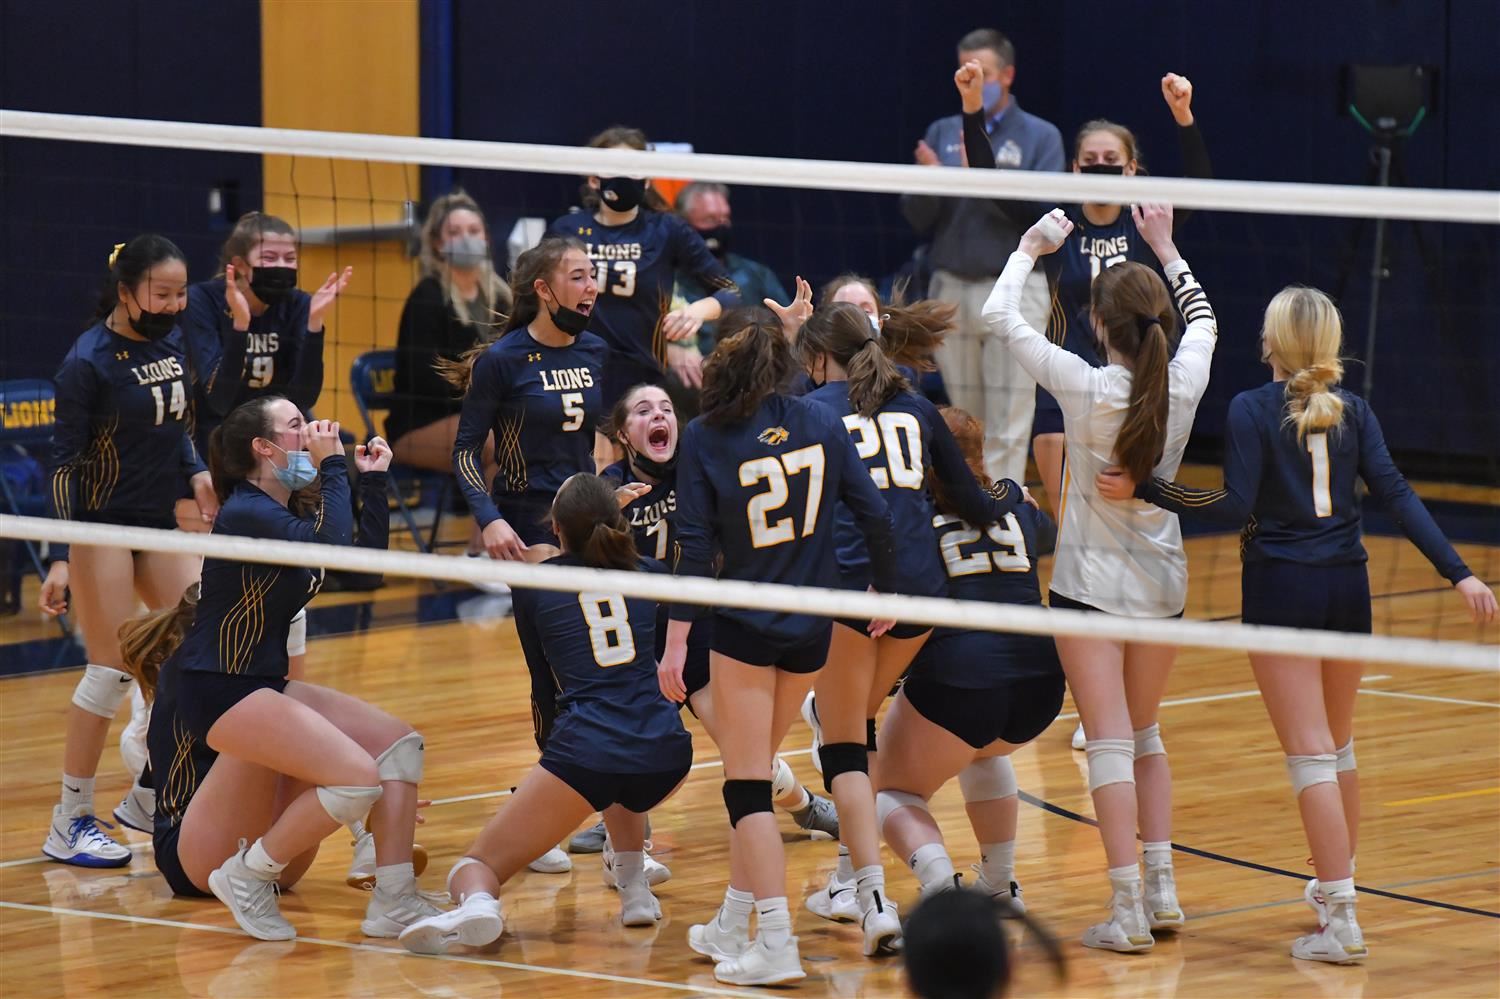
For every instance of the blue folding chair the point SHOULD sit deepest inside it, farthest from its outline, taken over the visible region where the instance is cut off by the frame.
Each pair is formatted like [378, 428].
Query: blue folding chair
[373, 376]
[27, 415]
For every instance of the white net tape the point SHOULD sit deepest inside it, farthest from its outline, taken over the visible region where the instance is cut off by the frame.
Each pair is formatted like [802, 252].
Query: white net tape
[811, 600]
[1225, 195]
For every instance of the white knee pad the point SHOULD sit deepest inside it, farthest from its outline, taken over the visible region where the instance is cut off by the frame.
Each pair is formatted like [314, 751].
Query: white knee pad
[987, 779]
[1344, 758]
[783, 781]
[1111, 761]
[1306, 771]
[1148, 742]
[887, 802]
[101, 690]
[462, 863]
[348, 804]
[296, 636]
[402, 759]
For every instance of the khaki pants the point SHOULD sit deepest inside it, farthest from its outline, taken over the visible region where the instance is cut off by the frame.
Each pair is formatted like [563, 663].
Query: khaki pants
[982, 376]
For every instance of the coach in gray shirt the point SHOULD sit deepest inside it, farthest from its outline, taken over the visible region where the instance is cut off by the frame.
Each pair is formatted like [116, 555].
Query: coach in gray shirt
[971, 240]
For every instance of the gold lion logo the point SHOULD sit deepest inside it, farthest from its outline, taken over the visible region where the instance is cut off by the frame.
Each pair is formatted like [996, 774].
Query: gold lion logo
[773, 436]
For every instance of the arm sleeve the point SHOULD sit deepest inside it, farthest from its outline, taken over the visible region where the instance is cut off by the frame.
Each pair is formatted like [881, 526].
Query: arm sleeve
[191, 460]
[332, 522]
[1195, 163]
[690, 255]
[1061, 372]
[1395, 494]
[1235, 502]
[481, 405]
[694, 521]
[75, 387]
[981, 155]
[374, 511]
[543, 685]
[1196, 351]
[975, 505]
[860, 494]
[420, 341]
[222, 367]
[307, 371]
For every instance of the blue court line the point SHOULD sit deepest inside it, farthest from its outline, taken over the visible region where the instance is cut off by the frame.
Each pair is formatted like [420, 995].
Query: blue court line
[1047, 806]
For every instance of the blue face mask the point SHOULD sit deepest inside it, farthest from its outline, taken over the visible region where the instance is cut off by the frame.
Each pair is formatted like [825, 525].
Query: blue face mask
[299, 471]
[993, 93]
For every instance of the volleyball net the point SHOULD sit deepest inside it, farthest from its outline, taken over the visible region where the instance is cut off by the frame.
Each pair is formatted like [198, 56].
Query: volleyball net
[359, 200]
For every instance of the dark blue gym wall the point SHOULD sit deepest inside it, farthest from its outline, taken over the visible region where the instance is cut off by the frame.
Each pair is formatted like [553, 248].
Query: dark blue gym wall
[63, 205]
[831, 80]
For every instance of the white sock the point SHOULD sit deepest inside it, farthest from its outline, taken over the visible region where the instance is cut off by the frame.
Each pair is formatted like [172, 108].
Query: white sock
[1125, 880]
[868, 881]
[933, 867]
[774, 920]
[480, 898]
[261, 864]
[77, 795]
[1341, 890]
[395, 879]
[997, 863]
[1158, 854]
[630, 867]
[734, 914]
[803, 800]
[356, 829]
[845, 870]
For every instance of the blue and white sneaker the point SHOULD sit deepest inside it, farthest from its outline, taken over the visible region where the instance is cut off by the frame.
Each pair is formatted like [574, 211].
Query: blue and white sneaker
[77, 839]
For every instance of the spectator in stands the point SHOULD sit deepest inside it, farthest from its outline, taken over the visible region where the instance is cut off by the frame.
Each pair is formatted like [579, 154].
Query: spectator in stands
[971, 240]
[706, 208]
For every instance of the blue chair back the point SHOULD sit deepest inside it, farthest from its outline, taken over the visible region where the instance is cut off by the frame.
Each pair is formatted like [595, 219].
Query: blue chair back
[28, 411]
[373, 377]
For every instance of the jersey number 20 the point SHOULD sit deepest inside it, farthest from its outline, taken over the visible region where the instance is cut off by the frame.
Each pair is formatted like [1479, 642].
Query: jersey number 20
[901, 437]
[609, 628]
[774, 470]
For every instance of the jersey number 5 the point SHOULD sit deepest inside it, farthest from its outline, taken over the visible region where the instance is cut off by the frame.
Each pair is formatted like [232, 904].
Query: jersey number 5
[609, 628]
[573, 410]
[176, 407]
[773, 470]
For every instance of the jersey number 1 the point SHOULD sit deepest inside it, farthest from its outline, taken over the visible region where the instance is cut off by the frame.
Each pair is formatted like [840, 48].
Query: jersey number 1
[609, 628]
[1317, 446]
[176, 407]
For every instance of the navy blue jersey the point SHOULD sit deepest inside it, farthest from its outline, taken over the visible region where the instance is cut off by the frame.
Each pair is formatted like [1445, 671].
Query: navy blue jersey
[994, 565]
[600, 649]
[245, 608]
[541, 403]
[764, 493]
[899, 445]
[1298, 500]
[651, 515]
[179, 762]
[636, 267]
[277, 355]
[122, 448]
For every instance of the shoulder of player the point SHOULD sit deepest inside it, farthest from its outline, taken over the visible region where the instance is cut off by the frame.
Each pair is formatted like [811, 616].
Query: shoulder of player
[571, 223]
[247, 511]
[647, 564]
[210, 291]
[592, 342]
[617, 472]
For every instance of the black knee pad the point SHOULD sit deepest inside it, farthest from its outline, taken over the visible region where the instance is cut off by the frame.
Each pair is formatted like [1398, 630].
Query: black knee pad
[870, 735]
[842, 758]
[746, 797]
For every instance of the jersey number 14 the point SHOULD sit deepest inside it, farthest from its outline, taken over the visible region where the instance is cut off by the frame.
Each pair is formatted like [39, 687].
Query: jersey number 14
[177, 406]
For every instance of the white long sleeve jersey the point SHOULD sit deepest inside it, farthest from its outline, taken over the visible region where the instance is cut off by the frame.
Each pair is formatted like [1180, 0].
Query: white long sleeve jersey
[1123, 558]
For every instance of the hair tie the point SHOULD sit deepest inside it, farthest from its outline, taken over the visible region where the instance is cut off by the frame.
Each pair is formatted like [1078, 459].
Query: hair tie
[868, 340]
[115, 253]
[1144, 323]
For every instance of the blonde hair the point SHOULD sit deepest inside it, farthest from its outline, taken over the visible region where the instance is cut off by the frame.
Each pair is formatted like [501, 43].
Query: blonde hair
[148, 641]
[1303, 334]
[496, 293]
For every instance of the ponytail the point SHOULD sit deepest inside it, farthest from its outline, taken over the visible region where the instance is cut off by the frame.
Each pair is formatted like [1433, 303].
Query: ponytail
[230, 460]
[843, 331]
[750, 363]
[610, 546]
[1131, 302]
[146, 642]
[1303, 334]
[589, 523]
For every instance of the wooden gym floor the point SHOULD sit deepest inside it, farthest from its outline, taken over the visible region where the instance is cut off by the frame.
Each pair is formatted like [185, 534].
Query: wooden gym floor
[1429, 753]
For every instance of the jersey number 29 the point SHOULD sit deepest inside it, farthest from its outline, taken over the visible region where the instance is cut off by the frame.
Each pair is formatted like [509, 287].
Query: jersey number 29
[1006, 534]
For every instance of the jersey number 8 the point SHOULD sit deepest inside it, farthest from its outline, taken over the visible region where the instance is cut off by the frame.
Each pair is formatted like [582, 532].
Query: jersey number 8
[609, 628]
[773, 470]
[901, 435]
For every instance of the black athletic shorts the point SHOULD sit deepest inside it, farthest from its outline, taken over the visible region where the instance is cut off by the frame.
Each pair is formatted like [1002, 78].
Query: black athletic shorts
[1017, 712]
[165, 847]
[203, 696]
[1047, 417]
[898, 630]
[530, 516]
[1328, 597]
[637, 792]
[1055, 599]
[804, 654]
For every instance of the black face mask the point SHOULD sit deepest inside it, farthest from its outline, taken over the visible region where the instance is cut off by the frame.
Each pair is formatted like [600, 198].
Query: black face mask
[154, 325]
[717, 240]
[570, 321]
[1116, 169]
[621, 194]
[658, 470]
[272, 284]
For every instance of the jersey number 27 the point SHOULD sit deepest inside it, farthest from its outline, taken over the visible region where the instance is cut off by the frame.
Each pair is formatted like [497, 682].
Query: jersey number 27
[774, 471]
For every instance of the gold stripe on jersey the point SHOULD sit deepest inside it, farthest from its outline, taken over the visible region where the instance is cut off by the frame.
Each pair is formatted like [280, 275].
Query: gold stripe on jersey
[508, 453]
[1190, 497]
[244, 626]
[1057, 321]
[100, 466]
[181, 778]
[62, 491]
[467, 467]
[1247, 535]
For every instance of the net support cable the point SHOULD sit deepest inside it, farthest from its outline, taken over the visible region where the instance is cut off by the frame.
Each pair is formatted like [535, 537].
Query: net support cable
[969, 614]
[1265, 197]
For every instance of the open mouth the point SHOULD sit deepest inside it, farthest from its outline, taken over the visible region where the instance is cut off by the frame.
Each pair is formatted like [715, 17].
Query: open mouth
[660, 438]
[586, 306]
